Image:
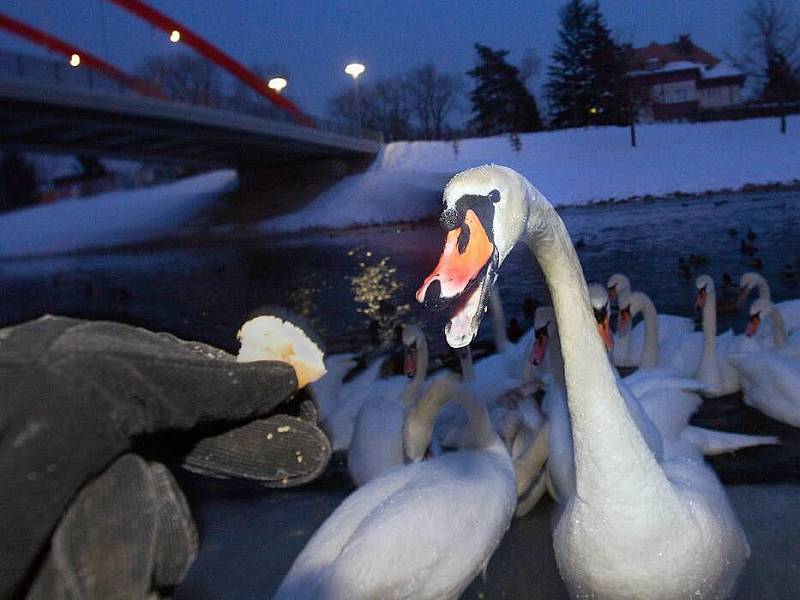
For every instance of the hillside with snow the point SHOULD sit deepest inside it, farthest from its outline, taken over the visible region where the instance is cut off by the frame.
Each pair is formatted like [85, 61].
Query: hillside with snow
[113, 218]
[571, 167]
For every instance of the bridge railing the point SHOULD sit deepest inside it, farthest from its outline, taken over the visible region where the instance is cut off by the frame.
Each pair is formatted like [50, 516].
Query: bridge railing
[58, 73]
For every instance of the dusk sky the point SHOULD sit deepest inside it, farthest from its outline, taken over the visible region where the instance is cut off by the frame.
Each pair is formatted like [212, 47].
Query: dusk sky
[314, 39]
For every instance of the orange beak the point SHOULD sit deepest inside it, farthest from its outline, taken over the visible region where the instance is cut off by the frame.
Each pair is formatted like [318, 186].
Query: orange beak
[467, 249]
[752, 325]
[605, 332]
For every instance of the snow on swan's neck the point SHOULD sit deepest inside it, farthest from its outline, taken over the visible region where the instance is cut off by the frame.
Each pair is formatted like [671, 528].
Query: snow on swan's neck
[612, 460]
[641, 303]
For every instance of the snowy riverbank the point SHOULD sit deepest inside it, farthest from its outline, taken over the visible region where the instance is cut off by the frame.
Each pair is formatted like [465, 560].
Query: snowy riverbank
[113, 218]
[571, 167]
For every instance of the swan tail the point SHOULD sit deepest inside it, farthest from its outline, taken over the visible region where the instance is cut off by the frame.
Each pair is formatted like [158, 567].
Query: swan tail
[711, 442]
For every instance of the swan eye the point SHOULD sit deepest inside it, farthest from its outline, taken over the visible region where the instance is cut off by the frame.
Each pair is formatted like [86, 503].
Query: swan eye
[494, 196]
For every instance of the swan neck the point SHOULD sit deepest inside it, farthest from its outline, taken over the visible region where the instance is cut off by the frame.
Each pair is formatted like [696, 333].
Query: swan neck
[498, 321]
[649, 356]
[710, 326]
[611, 456]
[779, 336]
[763, 288]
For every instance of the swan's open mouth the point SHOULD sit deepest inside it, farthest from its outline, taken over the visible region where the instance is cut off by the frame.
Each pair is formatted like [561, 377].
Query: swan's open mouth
[463, 277]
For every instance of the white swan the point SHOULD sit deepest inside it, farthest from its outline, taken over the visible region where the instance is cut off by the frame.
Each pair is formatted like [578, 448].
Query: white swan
[326, 390]
[786, 344]
[635, 528]
[702, 355]
[422, 530]
[771, 378]
[790, 309]
[629, 343]
[376, 445]
[670, 401]
[338, 424]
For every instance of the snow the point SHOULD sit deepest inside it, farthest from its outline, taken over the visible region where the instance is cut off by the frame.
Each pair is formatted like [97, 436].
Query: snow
[721, 69]
[571, 167]
[112, 218]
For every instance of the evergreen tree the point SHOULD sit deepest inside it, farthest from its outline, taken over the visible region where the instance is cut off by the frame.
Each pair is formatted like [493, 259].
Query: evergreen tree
[500, 101]
[17, 182]
[586, 79]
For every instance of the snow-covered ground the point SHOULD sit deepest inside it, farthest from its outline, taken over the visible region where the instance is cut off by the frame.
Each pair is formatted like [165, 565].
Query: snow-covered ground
[113, 218]
[571, 167]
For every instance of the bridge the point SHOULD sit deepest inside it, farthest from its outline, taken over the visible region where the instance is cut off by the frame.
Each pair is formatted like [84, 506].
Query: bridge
[48, 106]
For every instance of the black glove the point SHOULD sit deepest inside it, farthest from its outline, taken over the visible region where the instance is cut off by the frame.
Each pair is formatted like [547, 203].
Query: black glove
[77, 395]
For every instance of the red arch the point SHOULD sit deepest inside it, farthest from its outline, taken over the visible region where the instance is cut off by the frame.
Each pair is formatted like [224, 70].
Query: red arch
[211, 52]
[50, 42]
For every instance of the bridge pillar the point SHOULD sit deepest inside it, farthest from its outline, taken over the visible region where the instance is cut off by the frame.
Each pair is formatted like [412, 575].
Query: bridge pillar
[268, 191]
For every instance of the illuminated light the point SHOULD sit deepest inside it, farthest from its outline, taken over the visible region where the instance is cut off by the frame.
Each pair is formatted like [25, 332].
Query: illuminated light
[277, 84]
[175, 36]
[74, 60]
[593, 110]
[354, 70]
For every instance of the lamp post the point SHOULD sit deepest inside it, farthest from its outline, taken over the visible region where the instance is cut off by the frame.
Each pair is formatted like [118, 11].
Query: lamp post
[354, 70]
[277, 84]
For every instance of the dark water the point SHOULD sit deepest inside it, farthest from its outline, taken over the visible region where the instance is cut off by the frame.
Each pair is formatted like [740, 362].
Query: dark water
[355, 286]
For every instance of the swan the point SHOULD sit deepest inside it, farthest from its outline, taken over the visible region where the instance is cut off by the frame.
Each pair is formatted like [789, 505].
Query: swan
[629, 343]
[702, 354]
[421, 530]
[760, 311]
[771, 378]
[338, 425]
[325, 391]
[790, 309]
[376, 445]
[635, 527]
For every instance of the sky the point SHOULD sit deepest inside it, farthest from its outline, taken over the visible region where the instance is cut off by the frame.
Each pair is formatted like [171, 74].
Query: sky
[315, 39]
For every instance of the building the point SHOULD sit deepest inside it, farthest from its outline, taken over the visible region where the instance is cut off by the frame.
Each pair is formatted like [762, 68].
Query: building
[679, 80]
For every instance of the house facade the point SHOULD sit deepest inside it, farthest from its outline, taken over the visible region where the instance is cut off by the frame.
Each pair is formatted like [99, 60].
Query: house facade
[678, 80]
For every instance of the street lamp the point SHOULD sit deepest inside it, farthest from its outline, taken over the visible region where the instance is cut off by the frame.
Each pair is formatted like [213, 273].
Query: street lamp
[175, 36]
[277, 84]
[74, 60]
[354, 70]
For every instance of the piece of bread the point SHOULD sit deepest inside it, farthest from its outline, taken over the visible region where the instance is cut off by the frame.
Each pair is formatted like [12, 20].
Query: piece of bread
[270, 338]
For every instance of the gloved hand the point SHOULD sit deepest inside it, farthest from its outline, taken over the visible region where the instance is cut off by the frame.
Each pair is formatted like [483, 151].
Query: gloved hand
[76, 398]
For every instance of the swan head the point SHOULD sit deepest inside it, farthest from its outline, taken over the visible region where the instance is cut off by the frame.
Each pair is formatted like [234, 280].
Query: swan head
[759, 310]
[747, 282]
[544, 322]
[618, 286]
[411, 335]
[598, 297]
[484, 215]
[705, 288]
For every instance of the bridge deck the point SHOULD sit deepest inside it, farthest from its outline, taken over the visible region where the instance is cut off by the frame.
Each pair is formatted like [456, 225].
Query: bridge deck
[50, 118]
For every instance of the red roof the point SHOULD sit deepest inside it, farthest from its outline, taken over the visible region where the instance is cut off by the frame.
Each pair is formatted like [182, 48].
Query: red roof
[682, 50]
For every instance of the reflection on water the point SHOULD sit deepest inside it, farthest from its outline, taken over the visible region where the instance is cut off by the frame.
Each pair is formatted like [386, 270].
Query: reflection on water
[376, 290]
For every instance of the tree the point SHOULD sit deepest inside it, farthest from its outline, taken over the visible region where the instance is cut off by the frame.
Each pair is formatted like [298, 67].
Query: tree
[771, 51]
[17, 182]
[433, 96]
[500, 101]
[586, 78]
[184, 77]
[769, 30]
[384, 106]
